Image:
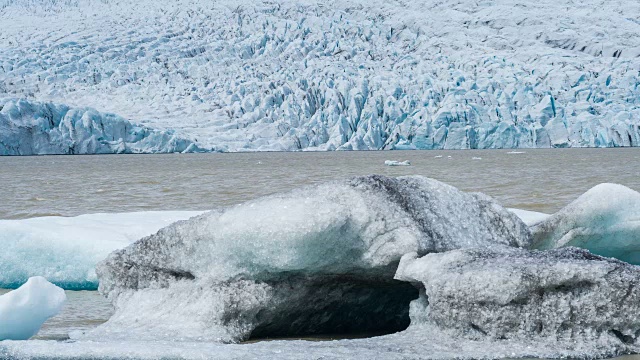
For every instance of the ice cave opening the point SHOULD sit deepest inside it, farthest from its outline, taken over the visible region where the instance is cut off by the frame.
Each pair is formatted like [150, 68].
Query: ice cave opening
[336, 307]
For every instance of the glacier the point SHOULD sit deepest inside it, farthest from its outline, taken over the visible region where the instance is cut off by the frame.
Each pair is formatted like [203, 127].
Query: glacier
[24, 310]
[34, 128]
[65, 250]
[259, 268]
[257, 75]
[605, 220]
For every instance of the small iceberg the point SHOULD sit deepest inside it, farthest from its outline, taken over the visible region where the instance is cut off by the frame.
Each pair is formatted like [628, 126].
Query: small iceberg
[397, 163]
[23, 311]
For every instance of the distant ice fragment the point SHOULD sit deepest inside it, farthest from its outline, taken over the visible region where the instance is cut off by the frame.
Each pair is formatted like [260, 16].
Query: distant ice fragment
[24, 310]
[605, 220]
[530, 217]
[397, 163]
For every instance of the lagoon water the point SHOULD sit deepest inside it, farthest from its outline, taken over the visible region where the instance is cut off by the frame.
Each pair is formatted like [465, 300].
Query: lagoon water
[540, 180]
[537, 179]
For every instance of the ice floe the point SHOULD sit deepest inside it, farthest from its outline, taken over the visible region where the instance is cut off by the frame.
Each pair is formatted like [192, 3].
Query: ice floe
[397, 163]
[65, 250]
[24, 310]
[605, 220]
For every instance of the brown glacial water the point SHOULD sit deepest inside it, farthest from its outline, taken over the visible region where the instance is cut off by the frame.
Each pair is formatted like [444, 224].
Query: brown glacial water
[540, 180]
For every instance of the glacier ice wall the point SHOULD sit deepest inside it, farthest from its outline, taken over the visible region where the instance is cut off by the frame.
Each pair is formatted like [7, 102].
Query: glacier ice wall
[34, 128]
[562, 296]
[65, 250]
[315, 260]
[605, 220]
[260, 75]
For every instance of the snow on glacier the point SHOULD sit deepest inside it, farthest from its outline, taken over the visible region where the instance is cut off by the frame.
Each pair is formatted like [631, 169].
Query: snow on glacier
[24, 310]
[257, 269]
[65, 250]
[605, 220]
[259, 75]
[33, 128]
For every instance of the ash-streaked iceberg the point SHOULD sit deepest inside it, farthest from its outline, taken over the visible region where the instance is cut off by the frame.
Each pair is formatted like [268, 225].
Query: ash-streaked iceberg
[36, 128]
[65, 250]
[24, 310]
[605, 220]
[563, 297]
[258, 269]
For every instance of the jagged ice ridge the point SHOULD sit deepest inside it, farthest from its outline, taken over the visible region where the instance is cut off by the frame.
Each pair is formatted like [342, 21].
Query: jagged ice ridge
[257, 75]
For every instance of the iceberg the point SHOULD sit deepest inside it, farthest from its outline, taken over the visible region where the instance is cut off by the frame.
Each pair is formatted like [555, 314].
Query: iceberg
[560, 298]
[259, 269]
[24, 310]
[397, 163]
[65, 250]
[605, 220]
[35, 128]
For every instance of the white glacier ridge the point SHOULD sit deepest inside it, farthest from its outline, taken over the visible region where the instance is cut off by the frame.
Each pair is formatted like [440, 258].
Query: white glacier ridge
[258, 75]
[34, 128]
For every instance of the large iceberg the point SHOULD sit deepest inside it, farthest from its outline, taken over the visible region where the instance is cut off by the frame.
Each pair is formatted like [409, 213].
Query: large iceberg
[254, 75]
[34, 128]
[260, 269]
[605, 220]
[65, 250]
[24, 310]
[564, 297]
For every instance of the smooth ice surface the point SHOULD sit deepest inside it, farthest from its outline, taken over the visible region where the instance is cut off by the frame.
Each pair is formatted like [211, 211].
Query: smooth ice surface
[605, 220]
[34, 128]
[561, 297]
[24, 310]
[65, 250]
[530, 217]
[229, 273]
[407, 345]
[363, 74]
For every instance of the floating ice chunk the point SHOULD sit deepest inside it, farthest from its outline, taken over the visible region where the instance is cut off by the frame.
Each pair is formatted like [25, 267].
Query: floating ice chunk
[605, 220]
[23, 311]
[397, 163]
[476, 158]
[438, 156]
[66, 249]
[530, 217]
[515, 152]
[560, 296]
[260, 268]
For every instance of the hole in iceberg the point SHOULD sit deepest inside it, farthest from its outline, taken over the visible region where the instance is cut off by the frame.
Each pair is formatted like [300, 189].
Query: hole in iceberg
[336, 307]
